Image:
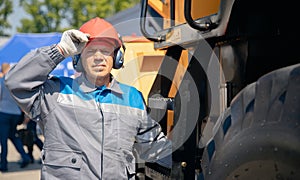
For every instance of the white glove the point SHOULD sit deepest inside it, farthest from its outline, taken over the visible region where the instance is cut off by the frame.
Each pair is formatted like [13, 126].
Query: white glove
[72, 42]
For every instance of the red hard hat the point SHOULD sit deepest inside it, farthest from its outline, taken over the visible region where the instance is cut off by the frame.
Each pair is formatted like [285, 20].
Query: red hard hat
[99, 28]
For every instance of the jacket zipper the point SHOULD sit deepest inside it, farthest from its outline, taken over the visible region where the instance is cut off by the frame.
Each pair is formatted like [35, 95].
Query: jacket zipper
[102, 137]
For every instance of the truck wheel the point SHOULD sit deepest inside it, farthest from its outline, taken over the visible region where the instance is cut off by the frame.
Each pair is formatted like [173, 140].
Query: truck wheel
[258, 136]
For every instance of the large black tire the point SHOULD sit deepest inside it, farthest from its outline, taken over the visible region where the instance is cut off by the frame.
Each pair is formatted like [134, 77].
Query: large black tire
[258, 136]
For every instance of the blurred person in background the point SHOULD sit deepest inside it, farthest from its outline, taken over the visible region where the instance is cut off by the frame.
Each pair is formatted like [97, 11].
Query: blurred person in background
[31, 127]
[10, 116]
[4, 68]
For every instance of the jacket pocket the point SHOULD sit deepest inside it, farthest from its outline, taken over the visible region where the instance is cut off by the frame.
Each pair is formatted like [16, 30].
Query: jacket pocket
[60, 164]
[60, 158]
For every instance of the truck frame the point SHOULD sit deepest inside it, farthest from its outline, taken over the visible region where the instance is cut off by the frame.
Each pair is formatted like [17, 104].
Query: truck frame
[227, 90]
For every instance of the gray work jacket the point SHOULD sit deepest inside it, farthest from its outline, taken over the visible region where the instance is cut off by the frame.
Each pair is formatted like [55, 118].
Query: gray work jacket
[90, 132]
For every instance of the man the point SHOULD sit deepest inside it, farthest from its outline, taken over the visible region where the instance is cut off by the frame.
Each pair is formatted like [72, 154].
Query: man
[92, 124]
[4, 69]
[10, 116]
[31, 128]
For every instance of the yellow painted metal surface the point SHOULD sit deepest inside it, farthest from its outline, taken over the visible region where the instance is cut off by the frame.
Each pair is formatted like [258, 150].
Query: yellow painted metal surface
[141, 64]
[178, 76]
[161, 7]
[199, 9]
[179, 73]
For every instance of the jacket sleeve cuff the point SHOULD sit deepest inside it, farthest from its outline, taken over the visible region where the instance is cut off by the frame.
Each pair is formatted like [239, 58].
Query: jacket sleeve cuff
[55, 55]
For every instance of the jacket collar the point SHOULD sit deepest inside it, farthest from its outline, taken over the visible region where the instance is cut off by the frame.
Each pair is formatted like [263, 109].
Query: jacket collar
[87, 86]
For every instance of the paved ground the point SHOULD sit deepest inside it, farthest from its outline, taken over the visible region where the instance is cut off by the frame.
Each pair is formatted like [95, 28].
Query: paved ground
[30, 172]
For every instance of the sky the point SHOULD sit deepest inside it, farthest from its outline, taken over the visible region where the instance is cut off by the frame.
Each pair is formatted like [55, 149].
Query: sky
[130, 17]
[15, 17]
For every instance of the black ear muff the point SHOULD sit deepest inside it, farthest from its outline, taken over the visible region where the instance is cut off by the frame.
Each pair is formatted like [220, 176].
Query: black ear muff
[77, 63]
[118, 60]
[119, 56]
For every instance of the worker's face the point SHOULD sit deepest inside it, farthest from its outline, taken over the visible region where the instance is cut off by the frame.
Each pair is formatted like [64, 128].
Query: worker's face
[97, 59]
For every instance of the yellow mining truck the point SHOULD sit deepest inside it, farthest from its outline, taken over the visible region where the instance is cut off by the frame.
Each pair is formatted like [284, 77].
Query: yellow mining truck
[141, 63]
[225, 86]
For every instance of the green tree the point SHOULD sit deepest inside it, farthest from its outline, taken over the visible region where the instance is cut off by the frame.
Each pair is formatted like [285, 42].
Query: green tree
[58, 15]
[45, 15]
[6, 8]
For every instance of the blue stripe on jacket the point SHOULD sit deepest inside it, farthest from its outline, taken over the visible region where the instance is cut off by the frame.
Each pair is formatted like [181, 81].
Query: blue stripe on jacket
[130, 97]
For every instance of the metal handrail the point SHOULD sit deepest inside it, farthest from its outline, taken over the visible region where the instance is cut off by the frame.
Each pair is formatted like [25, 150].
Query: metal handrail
[159, 38]
[188, 17]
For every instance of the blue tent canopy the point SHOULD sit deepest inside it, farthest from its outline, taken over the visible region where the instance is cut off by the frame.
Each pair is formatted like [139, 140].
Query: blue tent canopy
[22, 43]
